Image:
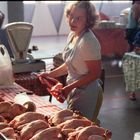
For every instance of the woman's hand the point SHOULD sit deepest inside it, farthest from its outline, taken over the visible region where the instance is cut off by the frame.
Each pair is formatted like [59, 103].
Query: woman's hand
[66, 90]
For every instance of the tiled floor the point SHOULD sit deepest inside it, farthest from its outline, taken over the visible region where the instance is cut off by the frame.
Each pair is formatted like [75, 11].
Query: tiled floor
[118, 113]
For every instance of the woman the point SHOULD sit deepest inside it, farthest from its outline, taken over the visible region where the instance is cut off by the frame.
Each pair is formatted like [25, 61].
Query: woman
[82, 61]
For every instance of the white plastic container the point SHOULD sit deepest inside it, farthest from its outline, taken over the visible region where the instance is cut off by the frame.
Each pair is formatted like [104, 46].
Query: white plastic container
[6, 72]
[137, 136]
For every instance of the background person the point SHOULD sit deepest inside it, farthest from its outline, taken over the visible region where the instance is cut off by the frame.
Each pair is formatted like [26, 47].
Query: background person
[132, 26]
[132, 29]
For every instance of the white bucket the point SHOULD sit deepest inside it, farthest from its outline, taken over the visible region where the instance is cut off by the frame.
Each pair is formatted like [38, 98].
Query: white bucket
[6, 71]
[137, 136]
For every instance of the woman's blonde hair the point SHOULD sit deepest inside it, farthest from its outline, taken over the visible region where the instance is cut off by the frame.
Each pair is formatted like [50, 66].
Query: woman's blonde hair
[92, 15]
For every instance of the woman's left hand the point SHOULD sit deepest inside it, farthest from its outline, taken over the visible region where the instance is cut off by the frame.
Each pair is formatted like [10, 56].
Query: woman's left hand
[66, 90]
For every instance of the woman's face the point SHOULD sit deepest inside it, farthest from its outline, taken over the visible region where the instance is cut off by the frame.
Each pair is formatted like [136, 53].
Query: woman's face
[77, 20]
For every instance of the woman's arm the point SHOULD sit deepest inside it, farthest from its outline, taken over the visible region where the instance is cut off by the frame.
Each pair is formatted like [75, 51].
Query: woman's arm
[59, 71]
[94, 73]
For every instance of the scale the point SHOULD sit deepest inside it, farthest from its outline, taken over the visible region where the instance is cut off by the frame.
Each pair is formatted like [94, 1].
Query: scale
[19, 36]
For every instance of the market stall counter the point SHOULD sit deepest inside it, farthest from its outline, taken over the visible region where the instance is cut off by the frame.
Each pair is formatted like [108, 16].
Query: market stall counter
[60, 124]
[8, 94]
[31, 82]
[112, 40]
